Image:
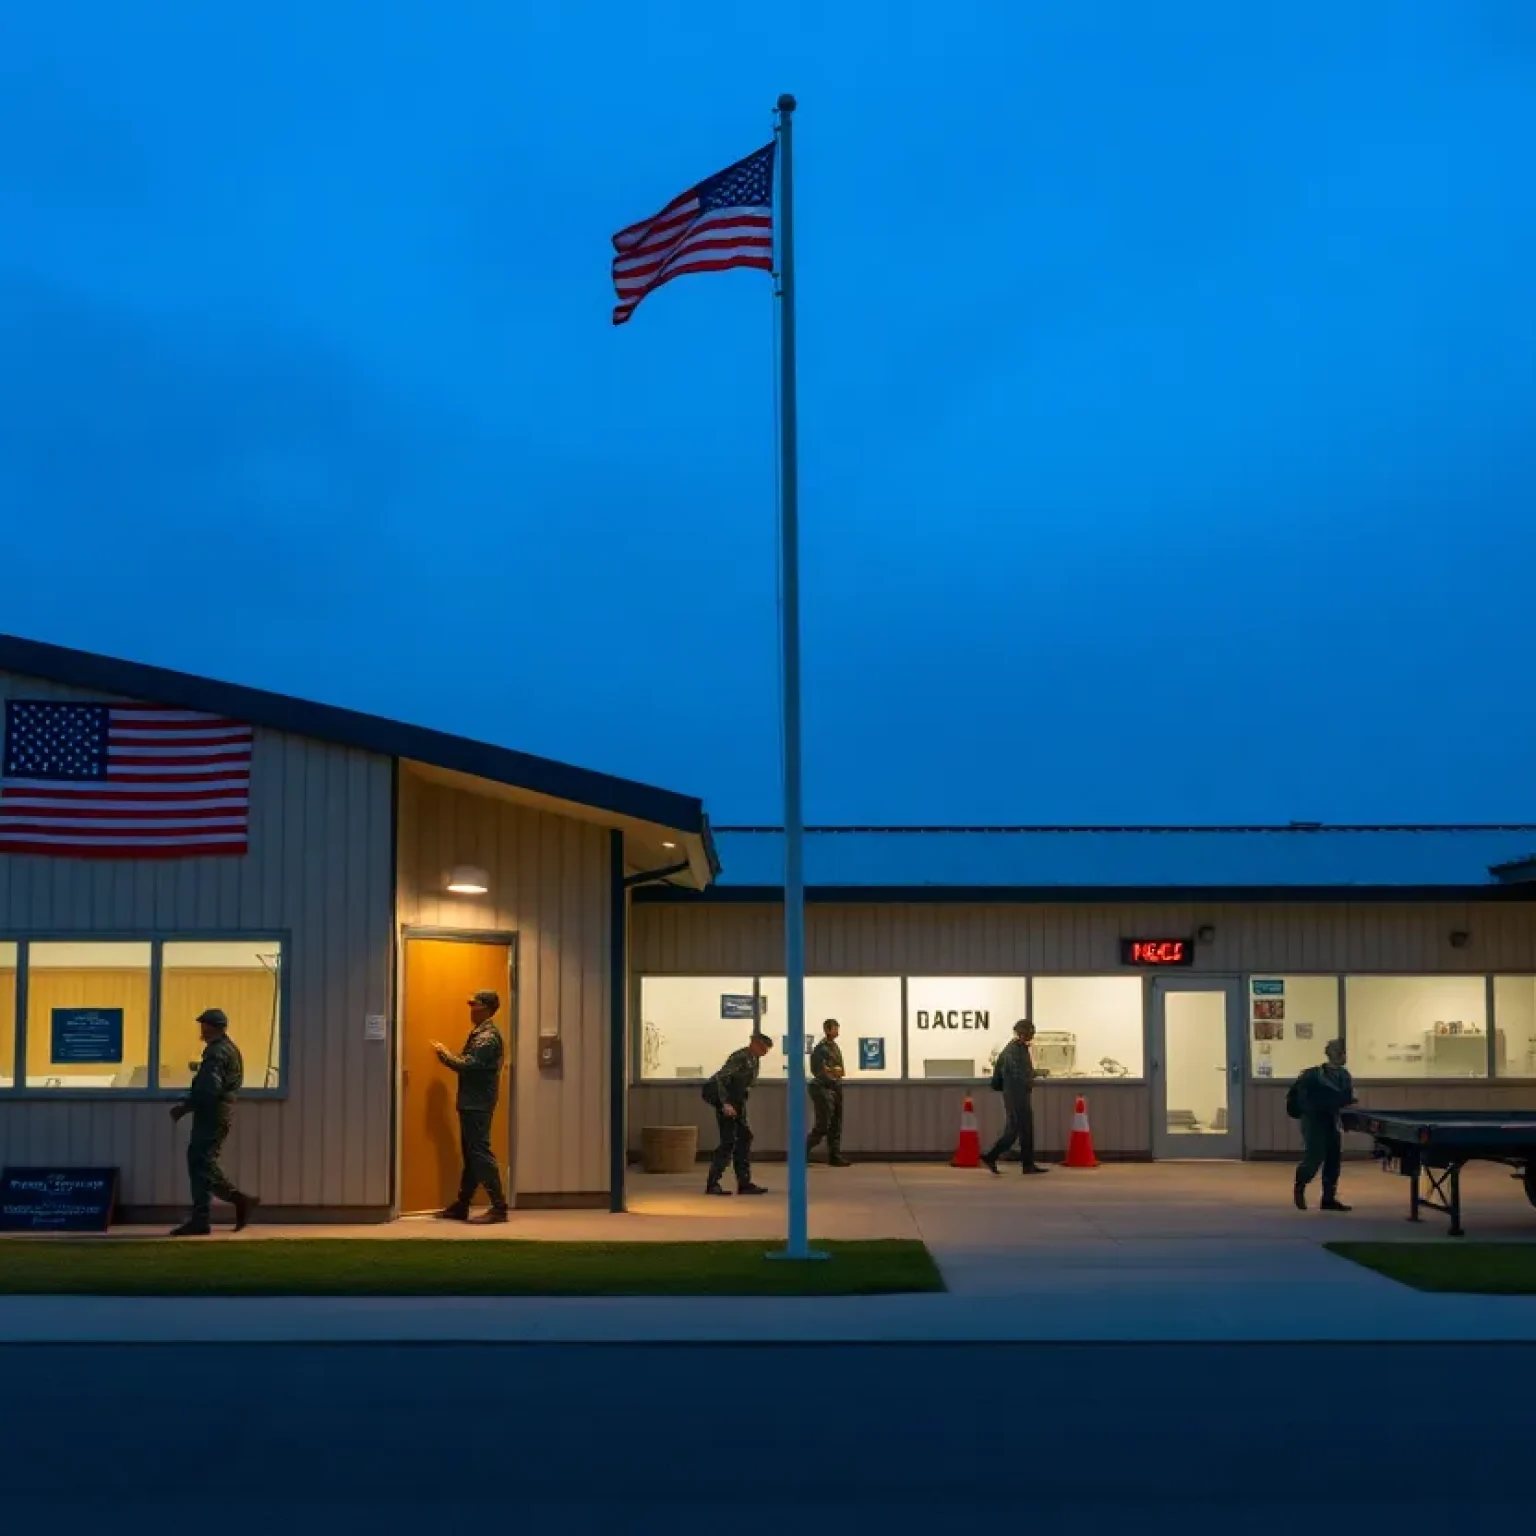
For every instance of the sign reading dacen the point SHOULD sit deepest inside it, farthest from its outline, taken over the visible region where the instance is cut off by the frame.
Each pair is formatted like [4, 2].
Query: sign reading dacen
[954, 1018]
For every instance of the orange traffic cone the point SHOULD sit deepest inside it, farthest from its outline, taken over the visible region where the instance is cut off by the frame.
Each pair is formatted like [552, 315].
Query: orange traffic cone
[1080, 1147]
[968, 1149]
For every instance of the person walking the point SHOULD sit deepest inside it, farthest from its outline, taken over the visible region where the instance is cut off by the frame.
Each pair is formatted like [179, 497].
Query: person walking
[1014, 1077]
[478, 1067]
[826, 1089]
[210, 1101]
[728, 1091]
[1315, 1099]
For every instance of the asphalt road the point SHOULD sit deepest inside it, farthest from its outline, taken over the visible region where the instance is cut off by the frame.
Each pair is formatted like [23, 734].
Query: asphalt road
[1087, 1438]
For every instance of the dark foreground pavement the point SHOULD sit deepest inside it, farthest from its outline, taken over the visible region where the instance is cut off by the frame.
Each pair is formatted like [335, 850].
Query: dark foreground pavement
[1087, 1438]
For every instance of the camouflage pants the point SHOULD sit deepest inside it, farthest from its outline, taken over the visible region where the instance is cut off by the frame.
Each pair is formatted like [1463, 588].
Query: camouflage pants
[203, 1171]
[827, 1103]
[1323, 1148]
[1020, 1127]
[480, 1165]
[735, 1147]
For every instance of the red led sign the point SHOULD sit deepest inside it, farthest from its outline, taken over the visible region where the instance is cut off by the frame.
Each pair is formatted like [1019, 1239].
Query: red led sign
[1157, 952]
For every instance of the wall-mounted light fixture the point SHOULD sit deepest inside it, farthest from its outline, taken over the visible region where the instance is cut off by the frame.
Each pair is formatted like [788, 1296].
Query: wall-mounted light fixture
[1460, 938]
[468, 880]
[1205, 934]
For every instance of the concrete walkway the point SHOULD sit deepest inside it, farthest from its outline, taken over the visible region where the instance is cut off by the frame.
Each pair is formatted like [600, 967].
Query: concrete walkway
[1165, 1251]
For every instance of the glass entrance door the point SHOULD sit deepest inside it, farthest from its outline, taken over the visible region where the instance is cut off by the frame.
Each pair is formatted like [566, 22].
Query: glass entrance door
[1197, 1068]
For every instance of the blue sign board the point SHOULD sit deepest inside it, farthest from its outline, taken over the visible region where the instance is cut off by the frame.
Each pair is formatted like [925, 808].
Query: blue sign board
[1269, 989]
[57, 1199]
[82, 1035]
[736, 1005]
[871, 1055]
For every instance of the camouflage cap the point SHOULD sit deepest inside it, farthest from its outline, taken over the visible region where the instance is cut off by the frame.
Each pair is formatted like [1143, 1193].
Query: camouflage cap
[215, 1016]
[486, 999]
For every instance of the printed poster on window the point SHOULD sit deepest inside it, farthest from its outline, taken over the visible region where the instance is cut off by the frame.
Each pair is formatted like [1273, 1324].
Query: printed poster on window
[872, 1055]
[91, 1036]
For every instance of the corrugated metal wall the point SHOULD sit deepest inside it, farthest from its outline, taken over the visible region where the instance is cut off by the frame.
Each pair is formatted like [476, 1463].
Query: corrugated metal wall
[549, 884]
[955, 940]
[318, 866]
[950, 939]
[911, 1119]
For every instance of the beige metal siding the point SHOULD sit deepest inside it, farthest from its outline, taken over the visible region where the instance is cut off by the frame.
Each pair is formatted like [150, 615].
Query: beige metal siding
[949, 939]
[912, 1119]
[549, 884]
[319, 868]
[1270, 1131]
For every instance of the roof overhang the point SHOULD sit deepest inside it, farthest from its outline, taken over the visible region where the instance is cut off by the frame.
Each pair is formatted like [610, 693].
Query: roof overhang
[648, 845]
[1099, 895]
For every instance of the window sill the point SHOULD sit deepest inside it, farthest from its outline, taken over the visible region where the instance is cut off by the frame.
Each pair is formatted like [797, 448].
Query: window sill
[124, 1095]
[907, 1082]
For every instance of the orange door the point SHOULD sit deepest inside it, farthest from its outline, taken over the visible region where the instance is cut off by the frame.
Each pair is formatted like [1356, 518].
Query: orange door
[440, 975]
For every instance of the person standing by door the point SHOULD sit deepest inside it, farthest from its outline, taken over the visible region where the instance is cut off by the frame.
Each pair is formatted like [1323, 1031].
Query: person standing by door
[1014, 1077]
[728, 1091]
[211, 1102]
[826, 1089]
[1315, 1099]
[478, 1067]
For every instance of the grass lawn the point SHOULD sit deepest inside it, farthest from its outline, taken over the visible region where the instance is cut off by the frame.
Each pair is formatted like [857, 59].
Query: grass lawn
[1486, 1269]
[421, 1267]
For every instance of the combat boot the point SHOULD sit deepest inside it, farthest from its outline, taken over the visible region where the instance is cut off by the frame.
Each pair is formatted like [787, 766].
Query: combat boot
[244, 1205]
[1333, 1203]
[458, 1211]
[1299, 1195]
[495, 1217]
[196, 1226]
[837, 1160]
[750, 1188]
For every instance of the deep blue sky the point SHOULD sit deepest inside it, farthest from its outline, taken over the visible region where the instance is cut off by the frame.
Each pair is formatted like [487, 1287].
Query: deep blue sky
[1168, 377]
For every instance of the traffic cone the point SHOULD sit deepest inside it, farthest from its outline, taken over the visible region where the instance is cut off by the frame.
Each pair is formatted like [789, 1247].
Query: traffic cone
[1080, 1147]
[968, 1149]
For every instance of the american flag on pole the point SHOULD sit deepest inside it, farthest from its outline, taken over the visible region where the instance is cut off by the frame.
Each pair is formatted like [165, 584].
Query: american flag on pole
[122, 781]
[724, 222]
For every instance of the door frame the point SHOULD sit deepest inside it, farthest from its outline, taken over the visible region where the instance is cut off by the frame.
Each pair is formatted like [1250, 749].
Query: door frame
[509, 1013]
[1233, 1143]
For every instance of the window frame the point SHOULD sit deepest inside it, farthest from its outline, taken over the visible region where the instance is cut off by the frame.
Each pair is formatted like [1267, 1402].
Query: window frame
[637, 1078]
[1490, 1027]
[157, 940]
[1495, 1076]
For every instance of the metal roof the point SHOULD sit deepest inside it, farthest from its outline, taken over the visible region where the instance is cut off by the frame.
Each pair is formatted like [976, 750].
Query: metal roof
[349, 728]
[1056, 862]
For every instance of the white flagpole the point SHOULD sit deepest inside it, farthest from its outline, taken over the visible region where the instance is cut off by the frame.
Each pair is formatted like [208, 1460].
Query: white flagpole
[797, 1245]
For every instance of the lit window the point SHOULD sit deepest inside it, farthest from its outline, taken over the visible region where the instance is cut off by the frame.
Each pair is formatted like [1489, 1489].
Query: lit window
[956, 1025]
[1089, 1026]
[243, 977]
[88, 1016]
[7, 1015]
[690, 1024]
[1514, 1017]
[1416, 1026]
[1291, 1019]
[868, 1009]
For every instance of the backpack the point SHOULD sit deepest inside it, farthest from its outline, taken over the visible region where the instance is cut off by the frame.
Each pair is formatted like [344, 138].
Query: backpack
[1293, 1097]
[997, 1078]
[710, 1093]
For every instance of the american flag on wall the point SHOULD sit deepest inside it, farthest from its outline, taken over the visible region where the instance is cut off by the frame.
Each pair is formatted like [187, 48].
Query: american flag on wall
[123, 781]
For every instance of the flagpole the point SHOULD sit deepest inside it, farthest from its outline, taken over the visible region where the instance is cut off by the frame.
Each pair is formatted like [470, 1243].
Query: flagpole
[797, 1245]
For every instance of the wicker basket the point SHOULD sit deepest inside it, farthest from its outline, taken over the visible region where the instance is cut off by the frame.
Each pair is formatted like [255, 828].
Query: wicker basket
[668, 1148]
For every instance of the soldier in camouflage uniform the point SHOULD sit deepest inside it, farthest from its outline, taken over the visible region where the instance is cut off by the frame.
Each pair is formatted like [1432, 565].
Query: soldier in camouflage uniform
[211, 1103]
[478, 1067]
[826, 1088]
[1014, 1076]
[728, 1091]
[1320, 1093]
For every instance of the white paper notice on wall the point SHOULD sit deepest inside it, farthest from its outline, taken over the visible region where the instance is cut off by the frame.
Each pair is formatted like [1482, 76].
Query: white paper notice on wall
[374, 1027]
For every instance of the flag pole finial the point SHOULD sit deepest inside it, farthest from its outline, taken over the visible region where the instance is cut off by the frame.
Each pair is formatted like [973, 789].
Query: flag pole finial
[787, 103]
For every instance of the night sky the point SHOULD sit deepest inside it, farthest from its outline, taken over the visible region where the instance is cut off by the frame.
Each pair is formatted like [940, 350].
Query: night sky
[1168, 376]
